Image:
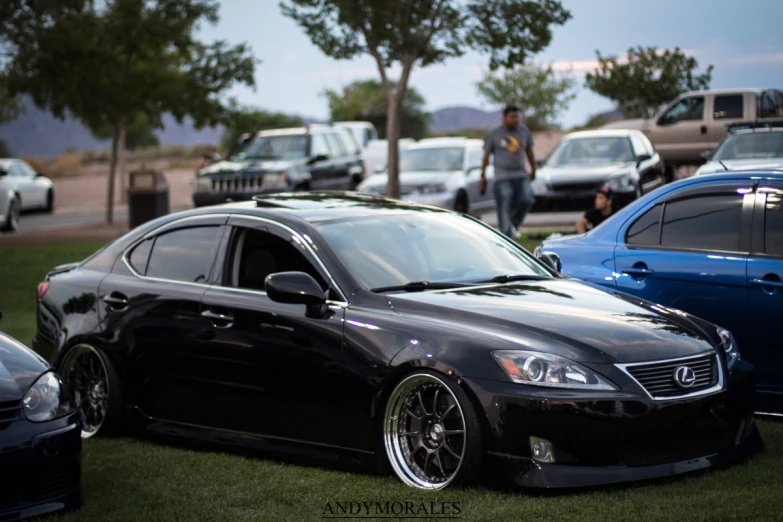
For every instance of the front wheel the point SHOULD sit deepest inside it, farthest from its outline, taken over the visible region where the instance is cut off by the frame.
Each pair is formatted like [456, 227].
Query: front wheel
[96, 389]
[431, 433]
[49, 201]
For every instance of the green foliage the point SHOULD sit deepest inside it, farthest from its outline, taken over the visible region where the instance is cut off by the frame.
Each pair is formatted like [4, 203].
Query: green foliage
[242, 119]
[109, 64]
[139, 133]
[646, 79]
[366, 100]
[422, 33]
[540, 92]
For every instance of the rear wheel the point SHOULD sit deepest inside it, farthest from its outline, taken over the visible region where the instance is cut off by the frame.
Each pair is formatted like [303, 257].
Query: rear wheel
[431, 433]
[96, 389]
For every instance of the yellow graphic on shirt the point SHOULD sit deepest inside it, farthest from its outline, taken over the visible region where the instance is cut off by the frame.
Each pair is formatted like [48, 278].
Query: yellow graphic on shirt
[511, 144]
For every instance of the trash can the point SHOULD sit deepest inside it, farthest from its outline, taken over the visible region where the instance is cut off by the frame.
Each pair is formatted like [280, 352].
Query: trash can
[148, 196]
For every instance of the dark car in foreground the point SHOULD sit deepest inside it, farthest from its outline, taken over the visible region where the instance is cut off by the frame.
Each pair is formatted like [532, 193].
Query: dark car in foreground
[711, 246]
[399, 335]
[315, 157]
[40, 443]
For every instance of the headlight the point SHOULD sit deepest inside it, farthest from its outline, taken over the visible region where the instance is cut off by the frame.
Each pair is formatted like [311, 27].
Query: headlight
[46, 400]
[275, 180]
[730, 347]
[203, 183]
[619, 183]
[432, 189]
[543, 369]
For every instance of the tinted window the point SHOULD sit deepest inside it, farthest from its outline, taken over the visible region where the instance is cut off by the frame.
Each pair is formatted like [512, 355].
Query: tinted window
[773, 224]
[645, 230]
[350, 144]
[770, 105]
[687, 109]
[139, 256]
[335, 145]
[184, 254]
[592, 150]
[639, 147]
[273, 147]
[727, 107]
[256, 254]
[706, 223]
[750, 145]
[432, 159]
[319, 146]
[16, 170]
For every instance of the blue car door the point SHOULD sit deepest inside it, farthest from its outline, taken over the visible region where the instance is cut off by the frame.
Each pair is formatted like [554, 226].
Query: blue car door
[763, 345]
[689, 251]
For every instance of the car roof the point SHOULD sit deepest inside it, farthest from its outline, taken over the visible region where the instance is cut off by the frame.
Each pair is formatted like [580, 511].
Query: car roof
[751, 130]
[292, 131]
[602, 133]
[753, 90]
[450, 141]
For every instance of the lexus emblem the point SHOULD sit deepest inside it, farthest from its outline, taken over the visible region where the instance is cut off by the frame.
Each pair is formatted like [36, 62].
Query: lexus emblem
[684, 377]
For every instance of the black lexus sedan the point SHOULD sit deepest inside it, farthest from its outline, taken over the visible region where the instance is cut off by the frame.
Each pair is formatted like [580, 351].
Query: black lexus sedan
[408, 337]
[40, 446]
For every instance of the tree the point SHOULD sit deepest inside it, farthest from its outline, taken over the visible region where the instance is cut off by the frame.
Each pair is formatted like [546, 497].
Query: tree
[138, 133]
[110, 62]
[647, 79]
[541, 93]
[424, 32]
[366, 100]
[244, 119]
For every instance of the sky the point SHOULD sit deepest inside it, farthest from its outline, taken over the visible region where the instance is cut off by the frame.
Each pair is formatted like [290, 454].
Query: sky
[743, 40]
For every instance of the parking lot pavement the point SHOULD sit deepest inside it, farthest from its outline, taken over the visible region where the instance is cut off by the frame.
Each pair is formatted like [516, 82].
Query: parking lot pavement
[540, 220]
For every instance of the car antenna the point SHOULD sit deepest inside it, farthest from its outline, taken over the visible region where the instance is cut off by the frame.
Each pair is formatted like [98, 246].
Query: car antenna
[722, 165]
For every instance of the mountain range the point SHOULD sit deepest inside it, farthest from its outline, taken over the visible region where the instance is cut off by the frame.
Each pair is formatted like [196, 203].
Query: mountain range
[38, 133]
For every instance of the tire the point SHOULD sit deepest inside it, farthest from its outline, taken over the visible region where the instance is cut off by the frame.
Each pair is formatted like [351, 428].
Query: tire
[49, 208]
[12, 216]
[100, 404]
[461, 203]
[431, 434]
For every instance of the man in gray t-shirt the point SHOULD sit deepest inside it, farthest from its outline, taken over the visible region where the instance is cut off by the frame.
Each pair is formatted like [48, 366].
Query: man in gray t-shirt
[510, 144]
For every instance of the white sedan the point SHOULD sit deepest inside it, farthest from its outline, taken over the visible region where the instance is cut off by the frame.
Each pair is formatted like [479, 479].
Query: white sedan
[21, 188]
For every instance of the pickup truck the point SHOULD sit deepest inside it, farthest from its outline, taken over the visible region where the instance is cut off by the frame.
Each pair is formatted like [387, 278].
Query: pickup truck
[696, 121]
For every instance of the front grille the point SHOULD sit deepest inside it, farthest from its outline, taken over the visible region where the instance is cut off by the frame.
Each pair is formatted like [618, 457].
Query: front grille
[652, 451]
[248, 183]
[9, 410]
[558, 187]
[34, 488]
[659, 379]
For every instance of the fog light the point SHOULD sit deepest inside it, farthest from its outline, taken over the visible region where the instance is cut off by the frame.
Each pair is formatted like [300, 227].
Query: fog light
[542, 450]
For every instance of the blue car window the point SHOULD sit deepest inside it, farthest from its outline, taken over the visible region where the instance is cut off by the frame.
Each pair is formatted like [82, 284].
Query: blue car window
[645, 230]
[773, 224]
[703, 223]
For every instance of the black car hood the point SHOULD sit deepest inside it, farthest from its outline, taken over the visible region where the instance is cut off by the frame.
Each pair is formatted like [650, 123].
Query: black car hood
[257, 166]
[19, 368]
[562, 316]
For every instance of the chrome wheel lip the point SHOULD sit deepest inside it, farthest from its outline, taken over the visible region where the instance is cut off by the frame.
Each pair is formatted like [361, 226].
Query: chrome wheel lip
[75, 354]
[392, 439]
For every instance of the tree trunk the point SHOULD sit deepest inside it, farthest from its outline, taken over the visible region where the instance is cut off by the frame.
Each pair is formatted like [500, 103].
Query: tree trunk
[393, 137]
[115, 140]
[121, 153]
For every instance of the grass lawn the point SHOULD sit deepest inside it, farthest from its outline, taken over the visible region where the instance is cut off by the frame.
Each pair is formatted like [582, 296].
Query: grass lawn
[129, 479]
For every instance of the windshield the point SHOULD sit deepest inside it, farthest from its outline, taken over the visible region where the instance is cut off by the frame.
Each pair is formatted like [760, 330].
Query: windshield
[432, 159]
[274, 147]
[391, 250]
[591, 150]
[750, 146]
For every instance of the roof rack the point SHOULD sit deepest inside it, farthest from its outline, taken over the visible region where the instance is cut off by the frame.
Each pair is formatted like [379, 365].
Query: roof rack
[755, 125]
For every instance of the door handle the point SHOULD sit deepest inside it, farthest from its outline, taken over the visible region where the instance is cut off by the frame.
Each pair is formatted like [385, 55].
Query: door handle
[218, 320]
[638, 271]
[704, 129]
[766, 283]
[116, 301]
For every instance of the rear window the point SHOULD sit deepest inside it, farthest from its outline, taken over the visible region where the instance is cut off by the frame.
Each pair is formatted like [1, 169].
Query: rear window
[703, 223]
[728, 107]
[184, 255]
[773, 224]
[645, 230]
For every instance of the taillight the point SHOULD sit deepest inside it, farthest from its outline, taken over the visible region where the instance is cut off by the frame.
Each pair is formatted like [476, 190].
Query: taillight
[40, 291]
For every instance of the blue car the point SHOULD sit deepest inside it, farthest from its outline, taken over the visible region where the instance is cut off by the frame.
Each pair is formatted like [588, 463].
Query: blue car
[711, 246]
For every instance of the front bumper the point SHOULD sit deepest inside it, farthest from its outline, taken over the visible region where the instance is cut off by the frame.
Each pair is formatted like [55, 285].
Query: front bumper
[610, 438]
[41, 467]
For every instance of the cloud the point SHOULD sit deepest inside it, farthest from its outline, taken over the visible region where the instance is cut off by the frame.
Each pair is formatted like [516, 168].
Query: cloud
[757, 59]
[582, 66]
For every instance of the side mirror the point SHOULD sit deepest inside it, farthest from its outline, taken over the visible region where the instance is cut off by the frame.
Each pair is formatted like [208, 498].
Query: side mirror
[316, 159]
[540, 162]
[642, 157]
[552, 260]
[706, 155]
[40, 175]
[296, 288]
